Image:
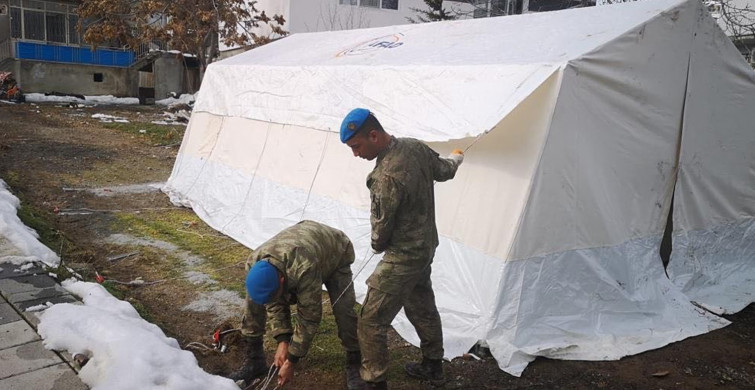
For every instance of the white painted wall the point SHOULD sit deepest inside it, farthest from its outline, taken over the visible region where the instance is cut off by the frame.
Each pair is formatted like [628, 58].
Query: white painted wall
[328, 15]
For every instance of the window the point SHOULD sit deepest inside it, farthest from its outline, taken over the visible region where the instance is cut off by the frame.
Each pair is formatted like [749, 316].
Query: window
[347, 2]
[498, 8]
[56, 27]
[15, 22]
[73, 33]
[389, 4]
[370, 3]
[34, 25]
[98, 77]
[480, 9]
[47, 21]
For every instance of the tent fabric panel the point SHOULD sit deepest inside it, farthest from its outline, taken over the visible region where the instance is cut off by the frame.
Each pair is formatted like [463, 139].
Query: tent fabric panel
[606, 174]
[482, 205]
[713, 254]
[591, 304]
[714, 266]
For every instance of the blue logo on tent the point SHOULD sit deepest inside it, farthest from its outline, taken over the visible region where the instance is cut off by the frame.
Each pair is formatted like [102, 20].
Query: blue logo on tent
[385, 42]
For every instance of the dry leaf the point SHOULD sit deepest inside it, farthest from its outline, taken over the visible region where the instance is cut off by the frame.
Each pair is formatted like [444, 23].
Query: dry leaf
[660, 374]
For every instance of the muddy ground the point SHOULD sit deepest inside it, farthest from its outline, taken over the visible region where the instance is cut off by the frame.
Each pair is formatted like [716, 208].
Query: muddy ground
[70, 169]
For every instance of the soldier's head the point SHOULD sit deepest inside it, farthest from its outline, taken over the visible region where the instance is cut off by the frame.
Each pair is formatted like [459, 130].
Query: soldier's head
[264, 282]
[361, 131]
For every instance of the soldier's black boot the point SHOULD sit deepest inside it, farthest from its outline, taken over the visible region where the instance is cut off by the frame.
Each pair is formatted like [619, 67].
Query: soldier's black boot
[353, 362]
[254, 364]
[376, 385]
[429, 369]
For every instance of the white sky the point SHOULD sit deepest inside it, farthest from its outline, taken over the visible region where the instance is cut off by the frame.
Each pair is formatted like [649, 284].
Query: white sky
[126, 352]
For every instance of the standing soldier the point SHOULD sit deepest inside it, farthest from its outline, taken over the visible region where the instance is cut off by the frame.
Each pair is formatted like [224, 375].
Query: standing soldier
[403, 226]
[288, 269]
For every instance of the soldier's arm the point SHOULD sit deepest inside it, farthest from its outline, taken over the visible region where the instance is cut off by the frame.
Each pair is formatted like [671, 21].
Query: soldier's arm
[279, 314]
[386, 198]
[443, 168]
[309, 312]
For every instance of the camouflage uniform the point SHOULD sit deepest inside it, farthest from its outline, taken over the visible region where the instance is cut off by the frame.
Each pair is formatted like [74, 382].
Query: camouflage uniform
[403, 225]
[309, 254]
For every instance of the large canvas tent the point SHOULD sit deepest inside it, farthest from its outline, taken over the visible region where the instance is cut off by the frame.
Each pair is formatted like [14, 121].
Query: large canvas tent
[580, 128]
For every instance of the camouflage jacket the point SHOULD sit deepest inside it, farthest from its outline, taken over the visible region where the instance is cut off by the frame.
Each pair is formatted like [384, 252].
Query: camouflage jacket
[403, 200]
[308, 253]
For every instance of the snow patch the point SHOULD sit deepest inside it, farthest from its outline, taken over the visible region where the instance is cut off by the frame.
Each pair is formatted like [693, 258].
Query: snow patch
[19, 244]
[183, 99]
[103, 99]
[109, 118]
[124, 350]
[41, 307]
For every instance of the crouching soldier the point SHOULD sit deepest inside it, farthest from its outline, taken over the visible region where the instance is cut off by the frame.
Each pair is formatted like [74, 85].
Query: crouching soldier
[288, 269]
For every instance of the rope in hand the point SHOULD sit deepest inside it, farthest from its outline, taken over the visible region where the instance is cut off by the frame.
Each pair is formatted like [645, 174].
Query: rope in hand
[258, 384]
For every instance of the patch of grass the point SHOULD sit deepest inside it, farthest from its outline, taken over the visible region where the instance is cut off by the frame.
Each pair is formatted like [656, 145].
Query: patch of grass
[104, 173]
[184, 229]
[12, 178]
[151, 133]
[41, 221]
[326, 352]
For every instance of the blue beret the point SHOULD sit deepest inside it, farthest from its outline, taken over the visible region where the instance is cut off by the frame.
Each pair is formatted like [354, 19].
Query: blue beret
[353, 122]
[262, 282]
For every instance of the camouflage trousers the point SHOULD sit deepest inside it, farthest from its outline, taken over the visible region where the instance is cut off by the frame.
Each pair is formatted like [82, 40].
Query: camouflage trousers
[255, 315]
[391, 287]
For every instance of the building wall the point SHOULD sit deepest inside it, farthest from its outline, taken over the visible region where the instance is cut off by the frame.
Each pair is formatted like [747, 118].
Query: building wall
[330, 15]
[4, 21]
[169, 76]
[43, 77]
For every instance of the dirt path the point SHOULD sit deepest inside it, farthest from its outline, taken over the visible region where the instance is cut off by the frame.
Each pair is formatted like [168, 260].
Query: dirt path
[85, 186]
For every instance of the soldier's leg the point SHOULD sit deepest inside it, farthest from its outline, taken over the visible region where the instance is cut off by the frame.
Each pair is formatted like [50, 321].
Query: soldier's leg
[252, 328]
[422, 312]
[378, 311]
[253, 322]
[341, 292]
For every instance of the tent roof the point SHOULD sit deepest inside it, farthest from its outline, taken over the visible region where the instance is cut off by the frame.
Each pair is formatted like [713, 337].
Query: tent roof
[432, 81]
[537, 38]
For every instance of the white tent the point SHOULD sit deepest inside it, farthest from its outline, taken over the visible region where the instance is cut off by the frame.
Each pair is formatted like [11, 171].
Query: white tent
[580, 127]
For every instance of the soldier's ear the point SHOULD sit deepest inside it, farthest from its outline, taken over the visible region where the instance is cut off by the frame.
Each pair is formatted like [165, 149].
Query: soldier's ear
[372, 135]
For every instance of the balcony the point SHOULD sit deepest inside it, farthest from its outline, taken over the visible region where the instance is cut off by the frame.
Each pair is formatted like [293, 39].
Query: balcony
[73, 54]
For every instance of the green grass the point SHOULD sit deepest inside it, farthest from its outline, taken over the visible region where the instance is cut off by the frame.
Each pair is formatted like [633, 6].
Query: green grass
[184, 229]
[39, 220]
[118, 291]
[152, 134]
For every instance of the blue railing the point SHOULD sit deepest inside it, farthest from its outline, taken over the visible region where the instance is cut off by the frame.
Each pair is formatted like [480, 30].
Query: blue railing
[74, 55]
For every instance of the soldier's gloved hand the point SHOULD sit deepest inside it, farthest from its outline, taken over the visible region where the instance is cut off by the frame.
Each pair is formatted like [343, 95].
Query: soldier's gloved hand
[457, 155]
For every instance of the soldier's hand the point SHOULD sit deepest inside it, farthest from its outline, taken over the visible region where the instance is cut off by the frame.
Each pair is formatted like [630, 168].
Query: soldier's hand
[286, 373]
[281, 353]
[457, 155]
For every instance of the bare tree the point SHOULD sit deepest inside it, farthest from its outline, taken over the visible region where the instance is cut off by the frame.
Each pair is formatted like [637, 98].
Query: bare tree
[333, 17]
[190, 26]
[739, 23]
